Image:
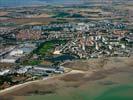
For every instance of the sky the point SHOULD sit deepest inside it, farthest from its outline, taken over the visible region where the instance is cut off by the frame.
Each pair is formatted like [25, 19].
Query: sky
[14, 3]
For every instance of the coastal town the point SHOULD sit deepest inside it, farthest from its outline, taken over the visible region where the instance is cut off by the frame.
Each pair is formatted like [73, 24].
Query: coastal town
[35, 41]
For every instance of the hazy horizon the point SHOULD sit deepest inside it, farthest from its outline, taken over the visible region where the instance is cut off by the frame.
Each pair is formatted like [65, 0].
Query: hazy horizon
[16, 3]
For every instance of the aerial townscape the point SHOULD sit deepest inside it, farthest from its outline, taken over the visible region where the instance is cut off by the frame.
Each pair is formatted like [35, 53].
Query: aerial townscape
[66, 50]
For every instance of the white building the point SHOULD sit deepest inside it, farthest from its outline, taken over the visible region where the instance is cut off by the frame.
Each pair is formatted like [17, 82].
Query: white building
[6, 60]
[110, 47]
[82, 27]
[4, 72]
[57, 52]
[17, 52]
[123, 46]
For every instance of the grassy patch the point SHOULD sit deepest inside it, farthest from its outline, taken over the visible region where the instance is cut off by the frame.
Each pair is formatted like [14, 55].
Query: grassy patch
[46, 48]
[31, 62]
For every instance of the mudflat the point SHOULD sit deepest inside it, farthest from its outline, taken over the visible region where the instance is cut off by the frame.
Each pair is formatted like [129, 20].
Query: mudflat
[94, 79]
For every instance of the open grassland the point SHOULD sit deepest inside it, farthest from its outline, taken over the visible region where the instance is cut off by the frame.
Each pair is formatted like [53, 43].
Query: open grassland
[31, 21]
[3, 13]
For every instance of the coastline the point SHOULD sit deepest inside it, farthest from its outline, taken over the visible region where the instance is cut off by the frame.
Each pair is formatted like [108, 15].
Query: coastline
[12, 88]
[76, 75]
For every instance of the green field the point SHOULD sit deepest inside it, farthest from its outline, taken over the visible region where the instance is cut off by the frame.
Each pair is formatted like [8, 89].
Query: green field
[48, 47]
[45, 49]
[31, 62]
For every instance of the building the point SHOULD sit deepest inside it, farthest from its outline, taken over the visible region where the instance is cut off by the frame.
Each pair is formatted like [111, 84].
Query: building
[4, 72]
[16, 52]
[9, 60]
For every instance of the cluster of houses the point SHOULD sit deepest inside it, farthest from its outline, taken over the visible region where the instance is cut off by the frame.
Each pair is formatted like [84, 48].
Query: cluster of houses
[86, 39]
[28, 34]
[100, 39]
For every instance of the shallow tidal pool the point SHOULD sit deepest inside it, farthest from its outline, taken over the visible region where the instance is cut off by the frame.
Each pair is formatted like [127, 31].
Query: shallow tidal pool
[114, 87]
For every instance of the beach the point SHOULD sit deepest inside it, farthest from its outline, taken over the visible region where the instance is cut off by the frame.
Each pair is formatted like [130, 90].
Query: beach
[113, 74]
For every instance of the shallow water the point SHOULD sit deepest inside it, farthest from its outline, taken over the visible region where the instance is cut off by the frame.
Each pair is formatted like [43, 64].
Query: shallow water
[114, 87]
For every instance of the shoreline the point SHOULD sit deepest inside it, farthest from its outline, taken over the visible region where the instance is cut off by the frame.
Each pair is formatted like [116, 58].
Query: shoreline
[36, 81]
[88, 75]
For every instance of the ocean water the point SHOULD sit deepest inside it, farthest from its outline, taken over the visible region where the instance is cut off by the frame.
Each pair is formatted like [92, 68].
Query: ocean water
[117, 86]
[123, 92]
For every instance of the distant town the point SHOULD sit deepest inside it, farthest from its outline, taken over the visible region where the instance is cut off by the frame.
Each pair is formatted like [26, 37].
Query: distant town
[35, 41]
